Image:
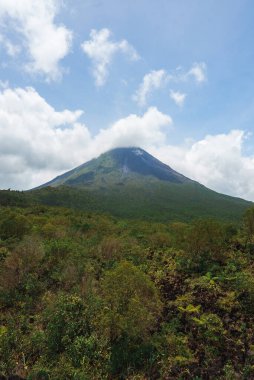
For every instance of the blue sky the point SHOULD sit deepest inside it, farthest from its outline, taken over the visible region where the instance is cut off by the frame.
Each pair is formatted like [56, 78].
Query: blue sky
[182, 68]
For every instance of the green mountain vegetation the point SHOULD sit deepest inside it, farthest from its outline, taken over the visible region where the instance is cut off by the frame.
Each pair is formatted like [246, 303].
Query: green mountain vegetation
[130, 183]
[88, 296]
[118, 167]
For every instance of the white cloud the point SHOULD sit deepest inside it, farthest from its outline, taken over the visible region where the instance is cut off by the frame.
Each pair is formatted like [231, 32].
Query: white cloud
[145, 131]
[101, 49]
[45, 42]
[198, 71]
[11, 49]
[151, 81]
[38, 142]
[4, 84]
[178, 97]
[217, 161]
[35, 138]
[156, 79]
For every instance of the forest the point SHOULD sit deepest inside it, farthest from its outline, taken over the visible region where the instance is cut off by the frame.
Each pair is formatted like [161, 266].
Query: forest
[90, 296]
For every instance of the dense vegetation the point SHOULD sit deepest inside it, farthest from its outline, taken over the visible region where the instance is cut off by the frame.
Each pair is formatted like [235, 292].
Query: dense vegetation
[154, 201]
[86, 296]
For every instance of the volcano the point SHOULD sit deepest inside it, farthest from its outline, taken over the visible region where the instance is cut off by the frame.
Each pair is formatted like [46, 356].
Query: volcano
[130, 182]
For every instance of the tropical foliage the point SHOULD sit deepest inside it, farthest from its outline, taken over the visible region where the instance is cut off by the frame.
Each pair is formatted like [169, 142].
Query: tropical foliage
[89, 296]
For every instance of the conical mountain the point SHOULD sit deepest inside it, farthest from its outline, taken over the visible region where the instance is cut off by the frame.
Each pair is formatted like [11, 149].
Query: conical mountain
[119, 166]
[129, 182]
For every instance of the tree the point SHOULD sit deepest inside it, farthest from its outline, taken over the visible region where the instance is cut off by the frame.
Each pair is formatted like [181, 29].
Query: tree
[14, 225]
[131, 302]
[249, 223]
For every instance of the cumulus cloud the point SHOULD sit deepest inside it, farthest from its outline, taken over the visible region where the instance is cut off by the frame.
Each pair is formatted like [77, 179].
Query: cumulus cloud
[4, 84]
[217, 161]
[101, 49]
[178, 97]
[151, 81]
[35, 138]
[135, 130]
[198, 72]
[11, 49]
[45, 42]
[156, 79]
[38, 142]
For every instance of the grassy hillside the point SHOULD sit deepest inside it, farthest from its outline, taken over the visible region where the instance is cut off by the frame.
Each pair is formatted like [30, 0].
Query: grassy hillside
[159, 201]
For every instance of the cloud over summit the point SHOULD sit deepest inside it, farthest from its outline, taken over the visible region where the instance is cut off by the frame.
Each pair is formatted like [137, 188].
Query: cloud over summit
[37, 142]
